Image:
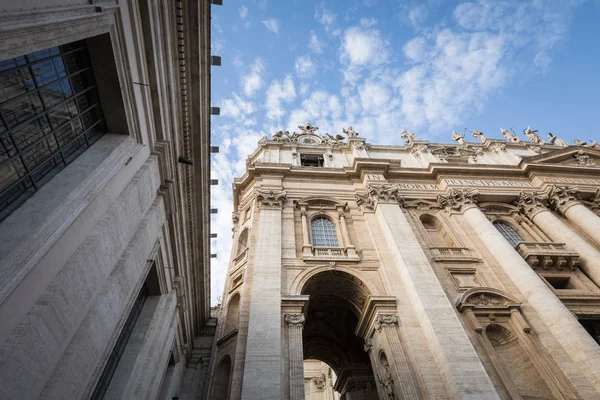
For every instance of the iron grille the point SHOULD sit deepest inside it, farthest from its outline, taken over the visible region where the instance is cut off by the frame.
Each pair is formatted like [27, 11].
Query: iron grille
[49, 114]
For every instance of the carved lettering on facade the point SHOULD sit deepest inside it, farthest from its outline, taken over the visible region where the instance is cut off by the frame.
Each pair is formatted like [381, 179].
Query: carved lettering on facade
[563, 197]
[532, 203]
[459, 199]
[477, 182]
[270, 199]
[577, 181]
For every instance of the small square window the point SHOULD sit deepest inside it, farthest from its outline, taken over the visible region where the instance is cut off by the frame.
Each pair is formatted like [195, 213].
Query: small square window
[311, 160]
[560, 282]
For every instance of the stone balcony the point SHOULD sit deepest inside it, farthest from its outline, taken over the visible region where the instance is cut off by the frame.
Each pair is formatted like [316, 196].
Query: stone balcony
[312, 253]
[452, 254]
[546, 256]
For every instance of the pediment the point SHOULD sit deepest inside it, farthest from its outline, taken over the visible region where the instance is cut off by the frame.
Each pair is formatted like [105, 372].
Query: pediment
[421, 204]
[576, 156]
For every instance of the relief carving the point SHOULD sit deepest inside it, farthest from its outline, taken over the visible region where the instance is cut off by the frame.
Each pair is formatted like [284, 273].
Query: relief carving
[532, 203]
[385, 320]
[582, 158]
[368, 345]
[319, 382]
[378, 194]
[459, 199]
[387, 381]
[563, 197]
[270, 199]
[294, 319]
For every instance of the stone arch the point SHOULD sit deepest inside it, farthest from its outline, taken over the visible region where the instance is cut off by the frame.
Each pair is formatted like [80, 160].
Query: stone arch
[222, 379]
[233, 308]
[311, 200]
[496, 206]
[242, 242]
[436, 231]
[300, 281]
[486, 296]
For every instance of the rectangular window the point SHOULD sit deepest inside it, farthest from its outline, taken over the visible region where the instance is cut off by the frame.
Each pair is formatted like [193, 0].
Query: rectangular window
[311, 160]
[49, 114]
[560, 282]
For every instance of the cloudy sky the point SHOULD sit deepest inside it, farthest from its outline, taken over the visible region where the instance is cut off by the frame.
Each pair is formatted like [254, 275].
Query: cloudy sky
[384, 65]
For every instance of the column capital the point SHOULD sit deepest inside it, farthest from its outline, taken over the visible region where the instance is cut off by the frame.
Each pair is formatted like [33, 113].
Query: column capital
[459, 199]
[595, 199]
[294, 319]
[563, 197]
[368, 345]
[386, 193]
[532, 203]
[270, 199]
[385, 320]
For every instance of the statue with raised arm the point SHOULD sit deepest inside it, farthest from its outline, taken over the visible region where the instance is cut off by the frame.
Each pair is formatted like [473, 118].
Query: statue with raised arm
[511, 137]
[532, 135]
[479, 135]
[408, 137]
[459, 138]
[278, 136]
[350, 132]
[580, 143]
[556, 141]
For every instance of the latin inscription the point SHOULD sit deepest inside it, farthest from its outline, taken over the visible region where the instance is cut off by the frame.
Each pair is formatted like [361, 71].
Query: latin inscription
[581, 181]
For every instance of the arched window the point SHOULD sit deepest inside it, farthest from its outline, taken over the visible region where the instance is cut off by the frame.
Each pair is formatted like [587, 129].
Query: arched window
[222, 378]
[233, 309]
[508, 232]
[242, 242]
[435, 231]
[323, 233]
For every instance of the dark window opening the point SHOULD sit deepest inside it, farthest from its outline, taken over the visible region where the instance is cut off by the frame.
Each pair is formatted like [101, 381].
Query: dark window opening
[560, 282]
[311, 160]
[49, 114]
[592, 326]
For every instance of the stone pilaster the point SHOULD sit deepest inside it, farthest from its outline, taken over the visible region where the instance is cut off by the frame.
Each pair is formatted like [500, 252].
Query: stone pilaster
[262, 367]
[350, 248]
[295, 323]
[570, 334]
[566, 201]
[459, 200]
[441, 328]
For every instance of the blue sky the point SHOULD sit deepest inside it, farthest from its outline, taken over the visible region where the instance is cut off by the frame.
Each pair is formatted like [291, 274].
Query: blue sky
[428, 66]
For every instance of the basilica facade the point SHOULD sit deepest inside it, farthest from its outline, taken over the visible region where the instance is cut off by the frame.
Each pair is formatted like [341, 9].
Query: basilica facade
[451, 271]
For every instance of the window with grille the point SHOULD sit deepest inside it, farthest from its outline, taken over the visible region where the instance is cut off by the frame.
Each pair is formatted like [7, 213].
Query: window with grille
[49, 114]
[509, 233]
[323, 233]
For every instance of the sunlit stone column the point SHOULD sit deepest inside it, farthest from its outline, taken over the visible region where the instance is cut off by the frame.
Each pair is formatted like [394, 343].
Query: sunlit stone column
[350, 249]
[534, 206]
[306, 246]
[437, 317]
[565, 200]
[295, 322]
[570, 334]
[262, 368]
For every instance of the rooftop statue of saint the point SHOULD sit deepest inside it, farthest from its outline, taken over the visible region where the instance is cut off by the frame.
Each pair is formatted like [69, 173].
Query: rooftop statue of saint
[479, 135]
[459, 138]
[511, 137]
[556, 141]
[533, 136]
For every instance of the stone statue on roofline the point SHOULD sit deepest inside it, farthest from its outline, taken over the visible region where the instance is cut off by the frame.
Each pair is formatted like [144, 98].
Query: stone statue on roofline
[511, 137]
[532, 135]
[334, 139]
[479, 135]
[350, 132]
[556, 141]
[408, 137]
[459, 138]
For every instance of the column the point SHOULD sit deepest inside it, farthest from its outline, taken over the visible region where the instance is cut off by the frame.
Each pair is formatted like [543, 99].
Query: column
[350, 249]
[306, 246]
[262, 367]
[565, 200]
[295, 322]
[569, 333]
[387, 325]
[441, 327]
[534, 206]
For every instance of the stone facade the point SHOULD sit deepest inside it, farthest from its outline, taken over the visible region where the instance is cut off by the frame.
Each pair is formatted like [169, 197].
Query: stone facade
[104, 270]
[420, 271]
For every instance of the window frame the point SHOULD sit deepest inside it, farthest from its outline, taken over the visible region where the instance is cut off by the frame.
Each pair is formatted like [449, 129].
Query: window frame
[334, 230]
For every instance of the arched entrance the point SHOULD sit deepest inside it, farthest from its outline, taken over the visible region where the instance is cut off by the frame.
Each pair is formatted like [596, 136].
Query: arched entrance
[334, 309]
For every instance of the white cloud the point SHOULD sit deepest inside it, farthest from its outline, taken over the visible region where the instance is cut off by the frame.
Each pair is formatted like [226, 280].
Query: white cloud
[324, 17]
[363, 46]
[315, 44]
[320, 108]
[278, 93]
[253, 80]
[305, 68]
[243, 12]
[236, 108]
[272, 24]
[416, 49]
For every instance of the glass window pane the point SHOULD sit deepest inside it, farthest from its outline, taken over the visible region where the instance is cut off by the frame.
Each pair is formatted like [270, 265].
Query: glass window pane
[82, 81]
[40, 151]
[12, 63]
[76, 61]
[21, 109]
[10, 171]
[14, 83]
[62, 113]
[56, 92]
[323, 233]
[30, 132]
[509, 233]
[49, 71]
[38, 55]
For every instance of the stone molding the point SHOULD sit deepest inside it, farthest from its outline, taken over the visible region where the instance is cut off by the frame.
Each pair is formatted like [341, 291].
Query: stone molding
[270, 199]
[532, 203]
[563, 197]
[379, 194]
[595, 199]
[294, 319]
[459, 199]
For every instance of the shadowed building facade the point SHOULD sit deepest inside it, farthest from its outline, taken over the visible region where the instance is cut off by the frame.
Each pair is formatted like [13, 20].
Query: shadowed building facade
[467, 270]
[104, 199]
